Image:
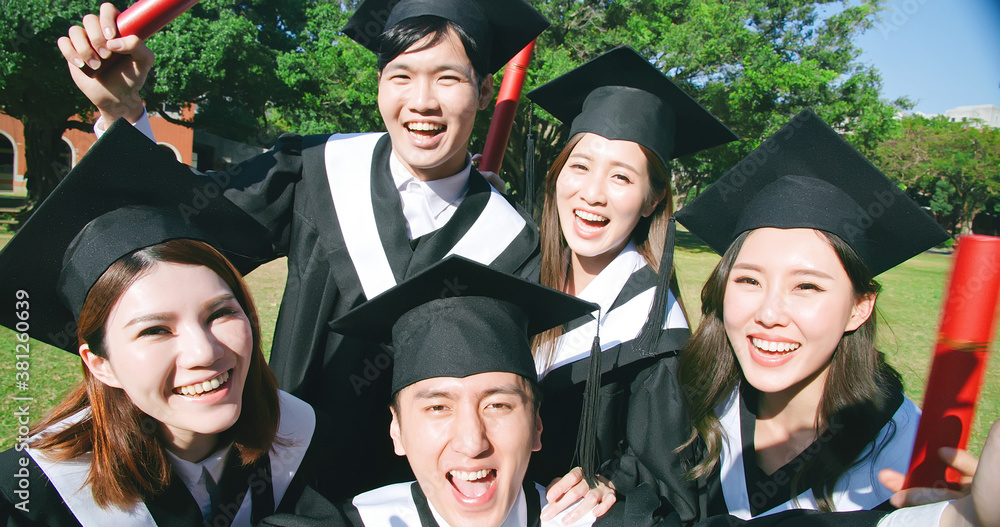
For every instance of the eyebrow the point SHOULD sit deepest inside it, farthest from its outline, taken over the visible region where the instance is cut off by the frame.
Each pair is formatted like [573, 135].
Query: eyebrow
[444, 67]
[166, 317]
[431, 393]
[797, 272]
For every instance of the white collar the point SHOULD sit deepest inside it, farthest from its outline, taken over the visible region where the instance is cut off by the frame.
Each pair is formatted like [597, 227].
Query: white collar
[439, 193]
[605, 287]
[190, 473]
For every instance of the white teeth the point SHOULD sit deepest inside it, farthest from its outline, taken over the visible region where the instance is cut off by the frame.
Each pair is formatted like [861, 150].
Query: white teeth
[424, 127]
[782, 347]
[589, 216]
[470, 476]
[204, 387]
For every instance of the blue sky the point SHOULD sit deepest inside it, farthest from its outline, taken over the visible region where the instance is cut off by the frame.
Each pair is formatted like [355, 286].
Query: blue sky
[939, 53]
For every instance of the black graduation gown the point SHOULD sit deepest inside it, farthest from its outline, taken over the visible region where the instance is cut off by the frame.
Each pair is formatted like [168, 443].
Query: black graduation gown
[737, 487]
[51, 493]
[625, 290]
[339, 220]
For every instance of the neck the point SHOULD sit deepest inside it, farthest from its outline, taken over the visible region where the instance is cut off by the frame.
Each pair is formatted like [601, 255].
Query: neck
[447, 169]
[797, 407]
[189, 446]
[583, 269]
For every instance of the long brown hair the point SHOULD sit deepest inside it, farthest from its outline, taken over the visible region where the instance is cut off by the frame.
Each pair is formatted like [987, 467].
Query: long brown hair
[857, 386]
[648, 234]
[129, 461]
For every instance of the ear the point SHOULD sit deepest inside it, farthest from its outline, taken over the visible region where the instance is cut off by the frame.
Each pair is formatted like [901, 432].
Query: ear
[394, 433]
[486, 92]
[536, 443]
[99, 367]
[862, 309]
[651, 206]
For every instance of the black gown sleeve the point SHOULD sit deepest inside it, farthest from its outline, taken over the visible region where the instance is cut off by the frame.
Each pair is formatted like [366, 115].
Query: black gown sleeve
[29, 501]
[657, 425]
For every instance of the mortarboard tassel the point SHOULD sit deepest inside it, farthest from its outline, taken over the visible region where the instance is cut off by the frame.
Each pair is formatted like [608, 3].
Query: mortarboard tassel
[650, 334]
[586, 436]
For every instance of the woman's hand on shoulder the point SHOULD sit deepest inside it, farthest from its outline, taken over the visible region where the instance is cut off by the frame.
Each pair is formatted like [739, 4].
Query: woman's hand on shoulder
[571, 490]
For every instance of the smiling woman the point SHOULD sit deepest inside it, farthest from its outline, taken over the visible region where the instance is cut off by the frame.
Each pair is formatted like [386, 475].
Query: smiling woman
[792, 404]
[178, 419]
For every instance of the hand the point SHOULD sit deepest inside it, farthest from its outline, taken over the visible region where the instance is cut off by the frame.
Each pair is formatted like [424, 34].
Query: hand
[960, 460]
[113, 88]
[572, 488]
[980, 508]
[495, 180]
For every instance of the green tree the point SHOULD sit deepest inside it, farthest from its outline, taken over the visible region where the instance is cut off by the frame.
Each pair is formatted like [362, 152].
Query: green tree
[35, 86]
[220, 55]
[754, 64]
[953, 168]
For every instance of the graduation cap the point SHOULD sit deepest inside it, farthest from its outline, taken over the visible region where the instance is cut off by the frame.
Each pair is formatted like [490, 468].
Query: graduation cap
[807, 176]
[501, 28]
[459, 318]
[127, 193]
[621, 96]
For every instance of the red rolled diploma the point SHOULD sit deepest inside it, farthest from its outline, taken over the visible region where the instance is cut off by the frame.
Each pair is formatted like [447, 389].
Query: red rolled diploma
[146, 17]
[503, 115]
[142, 19]
[968, 320]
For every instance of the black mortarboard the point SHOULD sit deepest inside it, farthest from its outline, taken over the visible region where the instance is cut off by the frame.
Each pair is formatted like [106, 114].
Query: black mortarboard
[125, 194]
[459, 318]
[807, 176]
[621, 96]
[501, 28]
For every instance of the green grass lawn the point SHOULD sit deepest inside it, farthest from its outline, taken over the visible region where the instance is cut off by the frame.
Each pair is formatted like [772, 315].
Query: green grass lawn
[908, 307]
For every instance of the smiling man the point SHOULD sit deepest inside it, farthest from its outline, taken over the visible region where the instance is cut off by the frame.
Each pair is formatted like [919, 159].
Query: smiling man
[357, 213]
[464, 399]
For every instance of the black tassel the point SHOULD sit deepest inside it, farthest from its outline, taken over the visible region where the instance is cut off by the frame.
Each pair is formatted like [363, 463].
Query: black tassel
[586, 436]
[529, 164]
[650, 334]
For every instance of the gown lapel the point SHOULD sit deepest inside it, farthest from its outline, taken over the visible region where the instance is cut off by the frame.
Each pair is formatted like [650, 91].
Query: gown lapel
[389, 211]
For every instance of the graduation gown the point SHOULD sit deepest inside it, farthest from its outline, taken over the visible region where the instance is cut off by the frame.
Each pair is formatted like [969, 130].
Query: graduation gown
[624, 290]
[56, 493]
[329, 203]
[738, 487]
[742, 489]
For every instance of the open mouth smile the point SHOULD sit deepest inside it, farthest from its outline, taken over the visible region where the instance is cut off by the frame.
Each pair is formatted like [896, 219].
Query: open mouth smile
[473, 487]
[776, 348]
[590, 221]
[425, 129]
[200, 389]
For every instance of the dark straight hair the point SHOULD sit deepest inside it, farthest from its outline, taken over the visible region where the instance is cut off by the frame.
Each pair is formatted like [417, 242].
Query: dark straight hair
[400, 37]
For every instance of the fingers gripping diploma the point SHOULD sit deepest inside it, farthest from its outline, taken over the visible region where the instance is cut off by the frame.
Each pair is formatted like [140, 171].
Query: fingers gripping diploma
[960, 460]
[112, 87]
[574, 499]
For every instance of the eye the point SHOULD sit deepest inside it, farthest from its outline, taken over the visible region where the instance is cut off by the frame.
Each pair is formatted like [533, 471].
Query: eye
[436, 408]
[621, 178]
[749, 280]
[223, 312]
[809, 286]
[154, 331]
[500, 406]
[579, 167]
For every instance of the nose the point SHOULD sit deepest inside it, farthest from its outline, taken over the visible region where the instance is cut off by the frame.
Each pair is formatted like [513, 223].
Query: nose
[198, 346]
[592, 189]
[773, 309]
[470, 437]
[423, 97]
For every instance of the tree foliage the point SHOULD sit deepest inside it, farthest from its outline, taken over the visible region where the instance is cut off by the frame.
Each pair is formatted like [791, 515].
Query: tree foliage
[951, 167]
